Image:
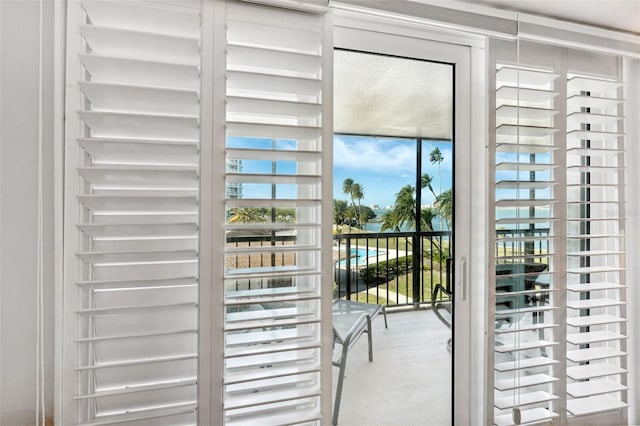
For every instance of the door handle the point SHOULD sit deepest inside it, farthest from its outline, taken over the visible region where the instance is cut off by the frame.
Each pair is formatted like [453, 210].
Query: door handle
[463, 277]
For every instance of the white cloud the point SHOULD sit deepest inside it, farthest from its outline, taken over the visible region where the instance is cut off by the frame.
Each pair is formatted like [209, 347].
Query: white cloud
[374, 155]
[387, 156]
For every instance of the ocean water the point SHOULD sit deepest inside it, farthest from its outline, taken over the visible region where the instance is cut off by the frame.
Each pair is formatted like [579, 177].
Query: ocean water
[503, 213]
[375, 225]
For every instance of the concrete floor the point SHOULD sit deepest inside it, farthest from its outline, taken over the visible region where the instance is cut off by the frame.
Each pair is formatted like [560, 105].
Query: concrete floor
[409, 381]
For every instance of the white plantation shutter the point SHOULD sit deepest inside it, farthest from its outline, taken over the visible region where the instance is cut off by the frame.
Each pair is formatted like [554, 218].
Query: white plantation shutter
[596, 315]
[131, 214]
[557, 298]
[275, 111]
[525, 242]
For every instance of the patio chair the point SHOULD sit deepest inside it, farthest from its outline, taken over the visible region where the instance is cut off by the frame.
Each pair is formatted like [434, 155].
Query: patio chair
[437, 304]
[350, 320]
[510, 278]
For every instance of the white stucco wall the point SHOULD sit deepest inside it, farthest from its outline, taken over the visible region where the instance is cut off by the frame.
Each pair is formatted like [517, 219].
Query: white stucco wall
[19, 110]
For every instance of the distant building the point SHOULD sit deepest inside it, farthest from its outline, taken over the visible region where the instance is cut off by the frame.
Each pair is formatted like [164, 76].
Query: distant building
[234, 189]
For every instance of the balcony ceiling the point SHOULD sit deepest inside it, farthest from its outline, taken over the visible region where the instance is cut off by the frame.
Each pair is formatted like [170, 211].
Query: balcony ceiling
[619, 15]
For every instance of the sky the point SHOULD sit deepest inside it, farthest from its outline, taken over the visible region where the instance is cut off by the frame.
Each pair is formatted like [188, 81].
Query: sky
[384, 165]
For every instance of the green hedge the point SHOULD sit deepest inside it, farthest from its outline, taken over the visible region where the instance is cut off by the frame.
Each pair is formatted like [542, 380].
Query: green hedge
[386, 270]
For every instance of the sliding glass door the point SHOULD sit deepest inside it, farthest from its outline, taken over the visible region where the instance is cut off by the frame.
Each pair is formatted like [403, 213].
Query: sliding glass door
[401, 222]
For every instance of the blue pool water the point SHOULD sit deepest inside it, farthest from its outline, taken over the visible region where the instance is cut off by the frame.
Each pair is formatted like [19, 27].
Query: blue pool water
[359, 256]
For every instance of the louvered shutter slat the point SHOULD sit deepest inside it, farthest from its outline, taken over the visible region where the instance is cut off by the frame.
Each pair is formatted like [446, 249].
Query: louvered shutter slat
[161, 417]
[142, 177]
[273, 155]
[273, 179]
[590, 371]
[141, 151]
[593, 303]
[127, 15]
[601, 119]
[593, 387]
[119, 97]
[137, 125]
[527, 399]
[141, 203]
[593, 353]
[591, 320]
[279, 202]
[594, 404]
[110, 41]
[273, 109]
[532, 416]
[295, 64]
[138, 231]
[524, 381]
[593, 286]
[275, 130]
[187, 229]
[138, 71]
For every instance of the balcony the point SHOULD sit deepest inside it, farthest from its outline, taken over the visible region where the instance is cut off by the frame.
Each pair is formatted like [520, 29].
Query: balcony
[411, 365]
[411, 369]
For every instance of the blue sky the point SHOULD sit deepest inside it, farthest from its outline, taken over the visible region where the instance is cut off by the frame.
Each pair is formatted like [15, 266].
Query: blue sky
[381, 165]
[384, 165]
[263, 191]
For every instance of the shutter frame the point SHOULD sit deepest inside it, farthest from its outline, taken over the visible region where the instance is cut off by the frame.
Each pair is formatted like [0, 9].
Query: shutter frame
[598, 352]
[295, 112]
[131, 215]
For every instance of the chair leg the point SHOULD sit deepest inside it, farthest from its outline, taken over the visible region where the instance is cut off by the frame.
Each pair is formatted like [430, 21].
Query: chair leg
[384, 312]
[370, 337]
[336, 404]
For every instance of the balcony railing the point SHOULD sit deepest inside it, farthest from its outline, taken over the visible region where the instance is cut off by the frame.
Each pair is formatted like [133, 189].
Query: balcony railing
[392, 269]
[382, 267]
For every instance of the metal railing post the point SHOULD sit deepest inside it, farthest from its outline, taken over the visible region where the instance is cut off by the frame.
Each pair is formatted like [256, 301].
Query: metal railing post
[417, 267]
[348, 266]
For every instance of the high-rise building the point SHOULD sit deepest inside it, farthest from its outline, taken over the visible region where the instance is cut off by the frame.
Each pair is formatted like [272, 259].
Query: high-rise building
[234, 189]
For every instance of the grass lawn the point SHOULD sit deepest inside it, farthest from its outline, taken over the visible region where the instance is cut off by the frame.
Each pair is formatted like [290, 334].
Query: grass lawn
[399, 288]
[403, 285]
[365, 297]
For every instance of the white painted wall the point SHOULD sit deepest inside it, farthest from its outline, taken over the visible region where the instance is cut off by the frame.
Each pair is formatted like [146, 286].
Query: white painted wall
[19, 109]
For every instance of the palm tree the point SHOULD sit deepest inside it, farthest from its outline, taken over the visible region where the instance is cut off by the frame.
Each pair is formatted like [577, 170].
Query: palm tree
[339, 211]
[246, 215]
[357, 193]
[347, 186]
[390, 221]
[444, 205]
[436, 157]
[426, 218]
[426, 181]
[405, 206]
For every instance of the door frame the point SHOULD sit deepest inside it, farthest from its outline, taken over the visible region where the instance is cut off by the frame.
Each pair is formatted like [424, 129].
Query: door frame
[392, 36]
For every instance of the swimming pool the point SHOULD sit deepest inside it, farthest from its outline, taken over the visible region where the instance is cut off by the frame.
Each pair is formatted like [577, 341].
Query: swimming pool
[359, 256]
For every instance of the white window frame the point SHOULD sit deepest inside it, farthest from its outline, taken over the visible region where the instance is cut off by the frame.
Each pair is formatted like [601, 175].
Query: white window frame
[377, 34]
